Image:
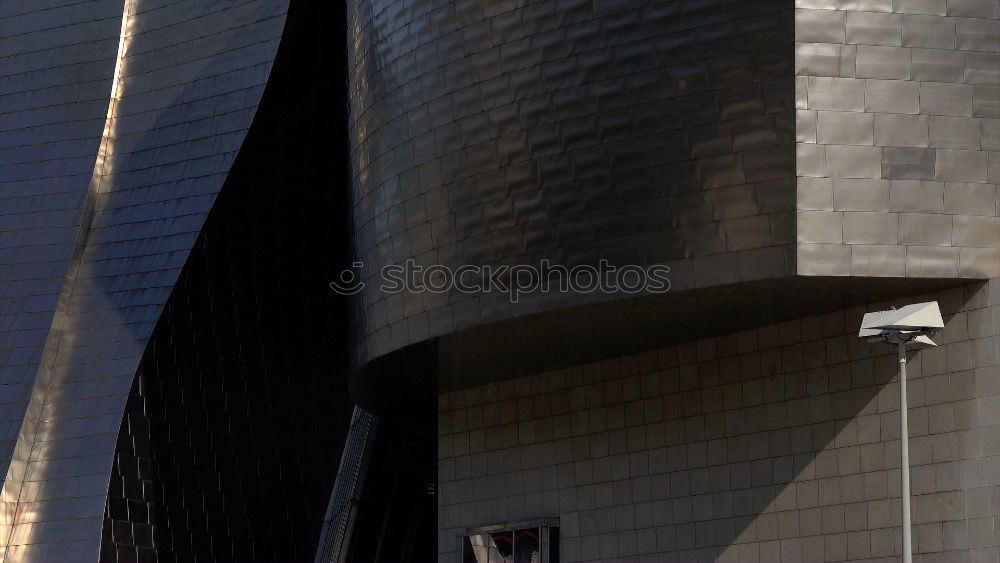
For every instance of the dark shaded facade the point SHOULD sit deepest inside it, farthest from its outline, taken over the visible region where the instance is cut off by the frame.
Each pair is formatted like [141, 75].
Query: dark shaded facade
[661, 133]
[239, 407]
[184, 395]
[179, 85]
[793, 163]
[673, 133]
[181, 181]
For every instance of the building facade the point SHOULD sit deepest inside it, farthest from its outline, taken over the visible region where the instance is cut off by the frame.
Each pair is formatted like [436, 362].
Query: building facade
[180, 184]
[778, 443]
[168, 386]
[795, 164]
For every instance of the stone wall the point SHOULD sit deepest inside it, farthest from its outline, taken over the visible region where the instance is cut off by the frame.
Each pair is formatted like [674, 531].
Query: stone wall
[898, 151]
[774, 444]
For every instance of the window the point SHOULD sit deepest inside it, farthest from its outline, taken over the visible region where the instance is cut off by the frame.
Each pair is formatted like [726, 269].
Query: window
[527, 542]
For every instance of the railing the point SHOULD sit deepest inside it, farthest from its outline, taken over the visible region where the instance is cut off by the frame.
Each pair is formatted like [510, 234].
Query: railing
[334, 538]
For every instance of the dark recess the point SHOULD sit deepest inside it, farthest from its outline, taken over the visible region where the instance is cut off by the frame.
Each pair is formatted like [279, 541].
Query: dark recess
[396, 518]
[235, 423]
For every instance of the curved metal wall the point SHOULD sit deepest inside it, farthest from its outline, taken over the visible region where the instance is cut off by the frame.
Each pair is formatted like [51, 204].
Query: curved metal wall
[571, 130]
[238, 410]
[57, 65]
[190, 77]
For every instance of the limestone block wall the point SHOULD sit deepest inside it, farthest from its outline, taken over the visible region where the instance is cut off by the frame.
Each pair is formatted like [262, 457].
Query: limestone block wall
[898, 137]
[775, 444]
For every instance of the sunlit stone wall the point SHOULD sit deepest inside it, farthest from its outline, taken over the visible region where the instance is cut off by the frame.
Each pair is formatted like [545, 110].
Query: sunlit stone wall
[774, 444]
[898, 137]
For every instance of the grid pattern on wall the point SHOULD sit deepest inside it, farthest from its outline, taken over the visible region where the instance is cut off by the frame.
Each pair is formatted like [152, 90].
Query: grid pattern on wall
[130, 512]
[898, 132]
[51, 129]
[190, 75]
[774, 444]
[570, 130]
[663, 132]
[238, 409]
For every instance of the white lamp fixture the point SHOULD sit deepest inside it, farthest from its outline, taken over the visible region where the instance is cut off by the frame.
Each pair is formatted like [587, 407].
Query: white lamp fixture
[912, 323]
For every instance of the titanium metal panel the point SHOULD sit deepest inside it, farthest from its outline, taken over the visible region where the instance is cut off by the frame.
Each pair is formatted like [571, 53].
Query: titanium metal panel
[189, 77]
[511, 133]
[654, 133]
[58, 63]
[50, 129]
[924, 77]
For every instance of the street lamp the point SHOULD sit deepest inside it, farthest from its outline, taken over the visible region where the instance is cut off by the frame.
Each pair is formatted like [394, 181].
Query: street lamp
[912, 323]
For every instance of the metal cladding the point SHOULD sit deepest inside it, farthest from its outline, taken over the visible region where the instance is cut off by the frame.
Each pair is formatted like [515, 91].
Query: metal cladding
[733, 141]
[755, 147]
[51, 130]
[570, 131]
[160, 94]
[898, 138]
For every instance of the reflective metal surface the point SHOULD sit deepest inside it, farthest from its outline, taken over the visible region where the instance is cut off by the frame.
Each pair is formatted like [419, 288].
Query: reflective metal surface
[739, 142]
[732, 141]
[509, 133]
[51, 124]
[897, 116]
[105, 244]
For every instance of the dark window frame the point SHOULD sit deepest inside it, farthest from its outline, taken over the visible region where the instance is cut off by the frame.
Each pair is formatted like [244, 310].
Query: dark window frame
[548, 536]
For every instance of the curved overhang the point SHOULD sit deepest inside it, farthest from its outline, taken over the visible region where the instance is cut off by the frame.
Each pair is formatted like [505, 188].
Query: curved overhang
[490, 135]
[699, 137]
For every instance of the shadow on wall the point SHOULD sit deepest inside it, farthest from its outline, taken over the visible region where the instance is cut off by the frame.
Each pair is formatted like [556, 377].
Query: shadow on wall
[233, 431]
[815, 475]
[774, 444]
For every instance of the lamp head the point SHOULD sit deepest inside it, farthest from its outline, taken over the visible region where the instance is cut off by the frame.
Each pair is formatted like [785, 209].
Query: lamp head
[912, 323]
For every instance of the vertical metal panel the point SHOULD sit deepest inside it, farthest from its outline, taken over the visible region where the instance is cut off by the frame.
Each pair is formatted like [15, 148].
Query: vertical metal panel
[189, 78]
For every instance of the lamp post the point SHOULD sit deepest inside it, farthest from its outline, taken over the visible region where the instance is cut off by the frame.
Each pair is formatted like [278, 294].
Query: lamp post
[912, 323]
